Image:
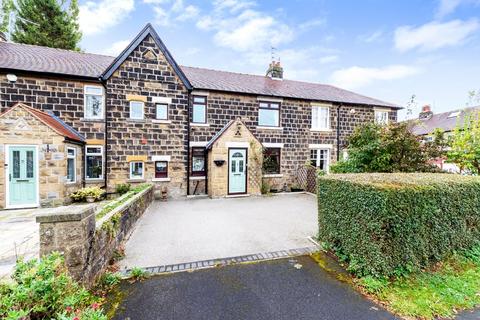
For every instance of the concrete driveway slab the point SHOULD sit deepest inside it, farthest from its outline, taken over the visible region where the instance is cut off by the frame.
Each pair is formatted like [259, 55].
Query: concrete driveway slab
[201, 229]
[267, 290]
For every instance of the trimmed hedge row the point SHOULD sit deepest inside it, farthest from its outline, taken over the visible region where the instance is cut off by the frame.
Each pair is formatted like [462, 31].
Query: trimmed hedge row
[390, 224]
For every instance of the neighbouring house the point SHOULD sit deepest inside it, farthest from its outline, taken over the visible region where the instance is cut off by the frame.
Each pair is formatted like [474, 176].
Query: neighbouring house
[428, 122]
[88, 119]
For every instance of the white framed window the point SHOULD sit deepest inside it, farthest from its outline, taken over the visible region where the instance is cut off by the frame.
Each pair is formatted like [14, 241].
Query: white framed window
[161, 111]
[320, 118]
[199, 111]
[136, 110]
[269, 114]
[93, 102]
[136, 170]
[320, 158]
[71, 165]
[381, 116]
[94, 162]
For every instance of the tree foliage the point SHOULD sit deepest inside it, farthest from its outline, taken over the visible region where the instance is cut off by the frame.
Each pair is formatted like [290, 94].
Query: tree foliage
[51, 23]
[5, 9]
[391, 148]
[465, 144]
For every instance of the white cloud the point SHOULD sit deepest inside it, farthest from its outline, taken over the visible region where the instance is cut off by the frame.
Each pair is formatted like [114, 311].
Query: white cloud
[447, 7]
[115, 48]
[96, 17]
[310, 24]
[356, 77]
[371, 37]
[169, 11]
[434, 35]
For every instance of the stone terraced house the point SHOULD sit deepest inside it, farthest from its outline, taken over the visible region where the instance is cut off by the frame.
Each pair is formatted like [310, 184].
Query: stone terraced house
[73, 119]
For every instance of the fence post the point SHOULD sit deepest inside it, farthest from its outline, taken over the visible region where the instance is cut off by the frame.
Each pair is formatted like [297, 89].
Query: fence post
[69, 232]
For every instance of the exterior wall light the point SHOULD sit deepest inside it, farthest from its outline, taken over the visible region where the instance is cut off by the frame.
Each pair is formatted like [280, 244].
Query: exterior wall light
[11, 78]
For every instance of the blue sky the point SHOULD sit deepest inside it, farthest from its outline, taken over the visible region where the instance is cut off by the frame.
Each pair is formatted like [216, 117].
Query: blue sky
[385, 49]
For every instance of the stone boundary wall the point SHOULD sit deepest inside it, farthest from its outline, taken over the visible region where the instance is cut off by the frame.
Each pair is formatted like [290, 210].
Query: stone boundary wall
[88, 245]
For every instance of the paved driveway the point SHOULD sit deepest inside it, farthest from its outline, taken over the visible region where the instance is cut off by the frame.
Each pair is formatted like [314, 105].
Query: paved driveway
[191, 230]
[268, 290]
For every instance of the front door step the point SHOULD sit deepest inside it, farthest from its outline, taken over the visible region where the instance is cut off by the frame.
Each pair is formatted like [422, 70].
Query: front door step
[191, 266]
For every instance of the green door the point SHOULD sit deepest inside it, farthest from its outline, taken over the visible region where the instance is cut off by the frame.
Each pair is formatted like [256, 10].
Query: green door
[22, 176]
[237, 173]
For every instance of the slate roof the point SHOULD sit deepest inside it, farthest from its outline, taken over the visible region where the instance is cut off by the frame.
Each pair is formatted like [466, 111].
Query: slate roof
[445, 121]
[51, 121]
[71, 63]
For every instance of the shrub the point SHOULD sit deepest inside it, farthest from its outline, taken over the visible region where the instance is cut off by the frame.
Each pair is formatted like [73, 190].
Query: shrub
[82, 194]
[138, 273]
[391, 224]
[42, 289]
[122, 188]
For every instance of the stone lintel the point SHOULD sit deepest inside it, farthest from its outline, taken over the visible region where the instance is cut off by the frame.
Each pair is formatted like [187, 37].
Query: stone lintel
[66, 214]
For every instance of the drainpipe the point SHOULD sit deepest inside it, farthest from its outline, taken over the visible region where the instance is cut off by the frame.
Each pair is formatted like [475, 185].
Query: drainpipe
[105, 149]
[338, 131]
[188, 141]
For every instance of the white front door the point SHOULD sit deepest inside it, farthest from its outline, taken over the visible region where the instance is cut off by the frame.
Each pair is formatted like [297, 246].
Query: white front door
[237, 171]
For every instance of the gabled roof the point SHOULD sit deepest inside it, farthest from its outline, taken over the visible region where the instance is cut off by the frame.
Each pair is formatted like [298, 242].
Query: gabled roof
[446, 121]
[49, 120]
[223, 130]
[25, 57]
[147, 31]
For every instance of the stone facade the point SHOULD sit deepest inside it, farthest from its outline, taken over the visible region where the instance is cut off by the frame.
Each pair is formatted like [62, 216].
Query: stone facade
[147, 76]
[19, 127]
[237, 135]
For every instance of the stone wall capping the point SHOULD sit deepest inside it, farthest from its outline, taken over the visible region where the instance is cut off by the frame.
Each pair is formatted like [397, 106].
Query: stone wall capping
[67, 213]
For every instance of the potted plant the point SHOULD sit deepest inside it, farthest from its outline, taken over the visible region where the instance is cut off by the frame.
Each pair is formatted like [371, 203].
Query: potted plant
[89, 194]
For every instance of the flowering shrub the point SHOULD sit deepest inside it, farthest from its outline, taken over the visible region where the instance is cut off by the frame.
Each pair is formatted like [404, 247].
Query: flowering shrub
[43, 289]
[82, 194]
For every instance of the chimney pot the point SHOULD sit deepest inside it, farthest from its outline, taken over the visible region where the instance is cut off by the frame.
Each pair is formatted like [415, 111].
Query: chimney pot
[275, 70]
[426, 113]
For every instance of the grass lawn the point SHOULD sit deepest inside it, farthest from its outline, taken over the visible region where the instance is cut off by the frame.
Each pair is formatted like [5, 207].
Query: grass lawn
[451, 286]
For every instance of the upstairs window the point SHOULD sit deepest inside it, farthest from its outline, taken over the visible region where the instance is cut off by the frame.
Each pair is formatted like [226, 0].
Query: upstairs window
[198, 161]
[269, 114]
[71, 165]
[162, 111]
[381, 117]
[320, 118]
[136, 110]
[94, 102]
[94, 162]
[320, 158]
[199, 112]
[271, 161]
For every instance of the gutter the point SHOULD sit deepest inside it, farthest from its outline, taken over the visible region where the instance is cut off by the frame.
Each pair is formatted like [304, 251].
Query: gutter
[188, 140]
[338, 131]
[105, 149]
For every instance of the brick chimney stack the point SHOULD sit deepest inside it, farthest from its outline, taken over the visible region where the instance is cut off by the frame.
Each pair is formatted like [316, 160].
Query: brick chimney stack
[426, 113]
[275, 70]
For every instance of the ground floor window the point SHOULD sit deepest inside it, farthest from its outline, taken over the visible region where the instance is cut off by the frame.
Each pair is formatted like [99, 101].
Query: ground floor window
[271, 161]
[136, 170]
[94, 162]
[71, 165]
[198, 161]
[320, 158]
[161, 169]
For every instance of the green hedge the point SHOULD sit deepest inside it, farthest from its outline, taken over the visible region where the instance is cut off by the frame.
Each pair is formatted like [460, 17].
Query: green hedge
[390, 224]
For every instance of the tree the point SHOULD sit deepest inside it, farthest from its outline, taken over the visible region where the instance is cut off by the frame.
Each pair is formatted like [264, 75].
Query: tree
[50, 23]
[6, 9]
[465, 144]
[391, 148]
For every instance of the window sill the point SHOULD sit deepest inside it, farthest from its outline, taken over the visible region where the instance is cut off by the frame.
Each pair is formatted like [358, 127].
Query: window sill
[136, 180]
[69, 183]
[94, 180]
[161, 179]
[92, 120]
[161, 121]
[136, 120]
[269, 128]
[273, 175]
[320, 130]
[197, 177]
[194, 124]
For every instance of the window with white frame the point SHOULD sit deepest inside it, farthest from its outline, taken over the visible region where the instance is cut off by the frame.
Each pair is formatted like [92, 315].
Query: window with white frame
[161, 169]
[199, 112]
[94, 162]
[94, 102]
[319, 158]
[136, 170]
[381, 116]
[320, 118]
[269, 114]
[161, 111]
[71, 165]
[136, 110]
